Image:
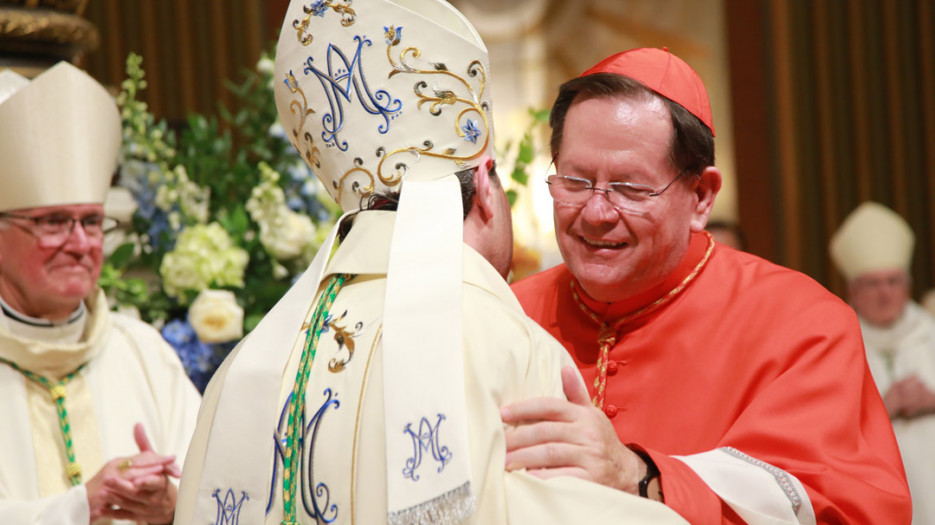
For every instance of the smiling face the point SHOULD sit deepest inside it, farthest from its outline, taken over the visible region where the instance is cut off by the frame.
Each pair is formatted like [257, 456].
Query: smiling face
[614, 254]
[48, 282]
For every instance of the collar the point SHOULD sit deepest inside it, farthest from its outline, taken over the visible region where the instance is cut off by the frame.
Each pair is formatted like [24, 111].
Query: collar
[913, 326]
[699, 251]
[55, 351]
[365, 251]
[14, 315]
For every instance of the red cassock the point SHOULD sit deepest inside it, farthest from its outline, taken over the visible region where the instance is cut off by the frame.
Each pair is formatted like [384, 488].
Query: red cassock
[747, 355]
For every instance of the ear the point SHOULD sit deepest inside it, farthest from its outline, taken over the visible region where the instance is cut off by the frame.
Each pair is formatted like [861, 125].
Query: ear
[706, 188]
[483, 195]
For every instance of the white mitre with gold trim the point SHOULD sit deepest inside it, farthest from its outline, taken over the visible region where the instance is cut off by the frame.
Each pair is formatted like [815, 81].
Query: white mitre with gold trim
[59, 139]
[873, 237]
[382, 91]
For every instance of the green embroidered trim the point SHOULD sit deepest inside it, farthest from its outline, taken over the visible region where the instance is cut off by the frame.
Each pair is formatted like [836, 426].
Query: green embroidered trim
[297, 402]
[57, 391]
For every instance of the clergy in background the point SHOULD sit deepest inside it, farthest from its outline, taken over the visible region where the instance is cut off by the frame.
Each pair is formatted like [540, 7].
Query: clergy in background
[96, 407]
[873, 250]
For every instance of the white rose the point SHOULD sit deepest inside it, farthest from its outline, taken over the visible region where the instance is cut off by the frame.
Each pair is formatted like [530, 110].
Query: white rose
[216, 316]
[288, 242]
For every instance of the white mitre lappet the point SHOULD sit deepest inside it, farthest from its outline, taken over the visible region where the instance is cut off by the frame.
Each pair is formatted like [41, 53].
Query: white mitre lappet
[376, 96]
[873, 237]
[59, 139]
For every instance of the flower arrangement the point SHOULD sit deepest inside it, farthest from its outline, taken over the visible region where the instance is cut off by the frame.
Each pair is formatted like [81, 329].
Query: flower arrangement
[227, 215]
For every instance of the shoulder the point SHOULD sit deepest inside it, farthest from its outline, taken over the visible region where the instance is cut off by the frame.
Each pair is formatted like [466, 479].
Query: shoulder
[141, 339]
[768, 298]
[539, 282]
[540, 293]
[759, 278]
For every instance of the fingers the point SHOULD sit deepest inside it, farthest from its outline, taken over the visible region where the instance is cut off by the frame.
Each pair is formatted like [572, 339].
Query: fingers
[142, 440]
[539, 433]
[574, 389]
[144, 444]
[544, 456]
[549, 473]
[538, 409]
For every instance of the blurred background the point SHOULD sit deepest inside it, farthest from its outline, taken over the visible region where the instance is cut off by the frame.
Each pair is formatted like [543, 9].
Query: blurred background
[819, 105]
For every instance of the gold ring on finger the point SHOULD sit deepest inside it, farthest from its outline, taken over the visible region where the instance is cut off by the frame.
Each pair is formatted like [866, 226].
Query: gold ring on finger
[124, 465]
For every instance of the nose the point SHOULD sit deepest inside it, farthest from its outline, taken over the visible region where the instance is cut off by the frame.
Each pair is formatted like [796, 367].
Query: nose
[77, 239]
[598, 208]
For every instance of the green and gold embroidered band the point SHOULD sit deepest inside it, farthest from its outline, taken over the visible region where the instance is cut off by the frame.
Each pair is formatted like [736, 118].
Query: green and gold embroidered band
[57, 392]
[293, 453]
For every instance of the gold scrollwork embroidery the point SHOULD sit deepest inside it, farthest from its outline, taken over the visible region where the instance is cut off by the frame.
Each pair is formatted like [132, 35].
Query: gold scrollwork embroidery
[356, 187]
[302, 139]
[318, 8]
[437, 99]
[345, 339]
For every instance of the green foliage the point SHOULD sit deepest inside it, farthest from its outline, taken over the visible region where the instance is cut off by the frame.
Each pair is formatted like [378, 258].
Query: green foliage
[526, 150]
[207, 175]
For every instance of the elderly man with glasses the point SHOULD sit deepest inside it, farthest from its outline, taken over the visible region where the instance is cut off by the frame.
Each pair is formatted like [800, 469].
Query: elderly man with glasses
[734, 390]
[873, 250]
[97, 411]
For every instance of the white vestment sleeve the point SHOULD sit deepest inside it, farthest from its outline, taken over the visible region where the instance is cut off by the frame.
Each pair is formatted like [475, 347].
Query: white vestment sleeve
[68, 508]
[573, 500]
[758, 492]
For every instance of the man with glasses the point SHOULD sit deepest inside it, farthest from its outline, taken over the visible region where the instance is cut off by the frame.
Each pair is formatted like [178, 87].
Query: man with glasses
[90, 400]
[734, 390]
[873, 250]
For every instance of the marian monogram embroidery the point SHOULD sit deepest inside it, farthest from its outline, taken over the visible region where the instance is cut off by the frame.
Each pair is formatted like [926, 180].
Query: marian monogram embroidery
[316, 496]
[229, 507]
[455, 97]
[344, 81]
[425, 440]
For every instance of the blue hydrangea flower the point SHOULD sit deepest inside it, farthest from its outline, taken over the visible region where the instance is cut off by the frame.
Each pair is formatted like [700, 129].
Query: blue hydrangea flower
[200, 360]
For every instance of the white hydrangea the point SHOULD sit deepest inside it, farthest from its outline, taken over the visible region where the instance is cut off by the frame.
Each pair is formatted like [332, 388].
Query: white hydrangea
[204, 256]
[284, 233]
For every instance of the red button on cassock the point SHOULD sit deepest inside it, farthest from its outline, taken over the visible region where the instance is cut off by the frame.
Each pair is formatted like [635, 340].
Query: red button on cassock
[610, 410]
[611, 368]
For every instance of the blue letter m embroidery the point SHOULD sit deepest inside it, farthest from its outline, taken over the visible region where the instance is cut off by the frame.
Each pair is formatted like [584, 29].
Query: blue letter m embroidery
[343, 79]
[426, 440]
[229, 509]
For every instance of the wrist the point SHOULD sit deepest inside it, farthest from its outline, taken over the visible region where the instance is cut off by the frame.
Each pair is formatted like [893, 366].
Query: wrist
[650, 485]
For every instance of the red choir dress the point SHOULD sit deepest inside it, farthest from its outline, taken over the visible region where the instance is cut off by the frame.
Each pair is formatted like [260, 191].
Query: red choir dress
[737, 354]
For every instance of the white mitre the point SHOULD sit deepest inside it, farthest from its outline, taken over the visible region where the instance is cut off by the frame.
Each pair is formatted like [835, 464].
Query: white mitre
[59, 139]
[382, 92]
[873, 237]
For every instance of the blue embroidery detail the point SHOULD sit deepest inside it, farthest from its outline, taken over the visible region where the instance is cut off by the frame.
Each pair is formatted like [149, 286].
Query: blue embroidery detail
[229, 508]
[471, 131]
[343, 79]
[321, 499]
[392, 35]
[425, 440]
[319, 7]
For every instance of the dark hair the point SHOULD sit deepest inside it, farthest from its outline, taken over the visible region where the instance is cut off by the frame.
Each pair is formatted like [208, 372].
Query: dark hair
[389, 201]
[692, 148]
